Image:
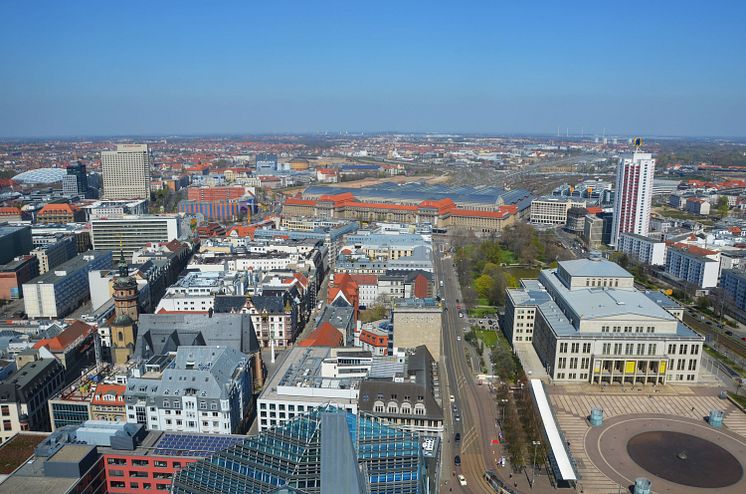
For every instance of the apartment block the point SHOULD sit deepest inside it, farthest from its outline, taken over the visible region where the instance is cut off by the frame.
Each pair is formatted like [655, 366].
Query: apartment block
[643, 249]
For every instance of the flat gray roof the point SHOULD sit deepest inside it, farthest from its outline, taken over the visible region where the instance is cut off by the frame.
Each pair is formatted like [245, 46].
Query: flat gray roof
[601, 302]
[594, 267]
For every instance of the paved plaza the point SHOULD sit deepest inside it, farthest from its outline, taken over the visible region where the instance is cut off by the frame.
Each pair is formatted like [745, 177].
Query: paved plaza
[683, 406]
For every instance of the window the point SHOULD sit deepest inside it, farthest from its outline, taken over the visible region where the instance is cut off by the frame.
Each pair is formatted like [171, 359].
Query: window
[682, 349]
[693, 364]
[672, 349]
[586, 348]
[695, 349]
[606, 349]
[652, 348]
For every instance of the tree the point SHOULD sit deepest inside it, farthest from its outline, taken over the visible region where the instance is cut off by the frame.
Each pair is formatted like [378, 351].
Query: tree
[723, 206]
[483, 284]
[470, 296]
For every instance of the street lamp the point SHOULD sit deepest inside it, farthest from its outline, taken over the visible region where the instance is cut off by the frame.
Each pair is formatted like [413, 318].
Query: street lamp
[533, 472]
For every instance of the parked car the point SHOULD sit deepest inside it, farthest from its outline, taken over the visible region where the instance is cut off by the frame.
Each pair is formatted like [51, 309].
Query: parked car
[457, 437]
[461, 479]
[457, 460]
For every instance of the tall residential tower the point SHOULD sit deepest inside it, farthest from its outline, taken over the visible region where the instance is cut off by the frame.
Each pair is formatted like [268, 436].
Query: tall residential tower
[633, 195]
[126, 172]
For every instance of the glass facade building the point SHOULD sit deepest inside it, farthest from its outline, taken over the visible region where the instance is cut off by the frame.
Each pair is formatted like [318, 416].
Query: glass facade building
[302, 455]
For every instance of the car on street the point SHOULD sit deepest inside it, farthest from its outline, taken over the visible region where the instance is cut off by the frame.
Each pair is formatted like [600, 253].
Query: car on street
[452, 398]
[457, 437]
[461, 479]
[457, 460]
[461, 314]
[729, 333]
[458, 338]
[458, 417]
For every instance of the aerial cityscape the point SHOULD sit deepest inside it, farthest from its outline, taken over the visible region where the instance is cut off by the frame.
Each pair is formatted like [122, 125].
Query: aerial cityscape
[339, 248]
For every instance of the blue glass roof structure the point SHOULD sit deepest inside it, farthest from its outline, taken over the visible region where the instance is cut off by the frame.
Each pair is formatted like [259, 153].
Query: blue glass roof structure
[380, 459]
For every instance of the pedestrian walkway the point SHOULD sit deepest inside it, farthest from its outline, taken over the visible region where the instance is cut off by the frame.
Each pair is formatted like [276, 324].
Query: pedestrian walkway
[572, 405]
[530, 361]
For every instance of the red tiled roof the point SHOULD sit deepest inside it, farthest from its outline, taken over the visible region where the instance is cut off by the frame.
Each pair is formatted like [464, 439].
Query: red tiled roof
[345, 196]
[365, 279]
[58, 208]
[292, 201]
[594, 209]
[324, 335]
[502, 212]
[692, 249]
[7, 210]
[109, 389]
[382, 205]
[66, 337]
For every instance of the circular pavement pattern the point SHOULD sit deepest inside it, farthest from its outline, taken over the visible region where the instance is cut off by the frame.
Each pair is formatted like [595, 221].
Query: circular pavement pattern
[685, 459]
[679, 455]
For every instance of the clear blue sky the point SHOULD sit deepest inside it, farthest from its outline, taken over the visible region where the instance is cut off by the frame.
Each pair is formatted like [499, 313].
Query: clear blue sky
[197, 67]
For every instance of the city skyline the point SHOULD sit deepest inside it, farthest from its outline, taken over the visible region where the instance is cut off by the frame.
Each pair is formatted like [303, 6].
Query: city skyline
[165, 69]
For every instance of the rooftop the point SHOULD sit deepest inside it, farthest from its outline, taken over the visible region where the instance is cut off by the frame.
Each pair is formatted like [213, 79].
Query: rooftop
[594, 267]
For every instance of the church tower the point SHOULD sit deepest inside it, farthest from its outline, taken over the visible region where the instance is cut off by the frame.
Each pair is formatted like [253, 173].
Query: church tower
[126, 314]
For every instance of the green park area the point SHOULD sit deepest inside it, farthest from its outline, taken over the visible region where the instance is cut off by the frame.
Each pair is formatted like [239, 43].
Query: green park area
[487, 267]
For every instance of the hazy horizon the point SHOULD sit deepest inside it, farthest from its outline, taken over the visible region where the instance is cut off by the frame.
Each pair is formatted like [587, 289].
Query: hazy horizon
[86, 69]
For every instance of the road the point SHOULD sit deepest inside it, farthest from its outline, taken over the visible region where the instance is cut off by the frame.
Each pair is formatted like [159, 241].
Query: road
[475, 403]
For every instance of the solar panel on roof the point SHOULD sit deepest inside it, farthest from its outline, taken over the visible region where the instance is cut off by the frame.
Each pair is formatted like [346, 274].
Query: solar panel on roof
[193, 444]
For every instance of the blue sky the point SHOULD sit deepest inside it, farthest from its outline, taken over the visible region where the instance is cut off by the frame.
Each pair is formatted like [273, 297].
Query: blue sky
[197, 67]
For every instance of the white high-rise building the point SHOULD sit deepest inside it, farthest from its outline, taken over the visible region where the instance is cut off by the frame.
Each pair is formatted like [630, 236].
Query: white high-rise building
[633, 195]
[126, 172]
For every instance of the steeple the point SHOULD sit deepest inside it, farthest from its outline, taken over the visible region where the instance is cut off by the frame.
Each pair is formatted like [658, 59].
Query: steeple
[123, 270]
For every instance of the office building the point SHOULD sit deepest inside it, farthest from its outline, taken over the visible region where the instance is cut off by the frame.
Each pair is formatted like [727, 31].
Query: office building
[633, 195]
[78, 170]
[114, 209]
[552, 210]
[14, 274]
[266, 163]
[55, 253]
[24, 395]
[14, 241]
[201, 389]
[59, 292]
[327, 450]
[642, 249]
[588, 323]
[69, 186]
[126, 172]
[417, 321]
[219, 210]
[313, 376]
[133, 232]
[693, 266]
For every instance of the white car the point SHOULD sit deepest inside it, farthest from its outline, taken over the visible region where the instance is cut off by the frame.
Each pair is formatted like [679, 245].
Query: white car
[461, 479]
[452, 398]
[458, 338]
